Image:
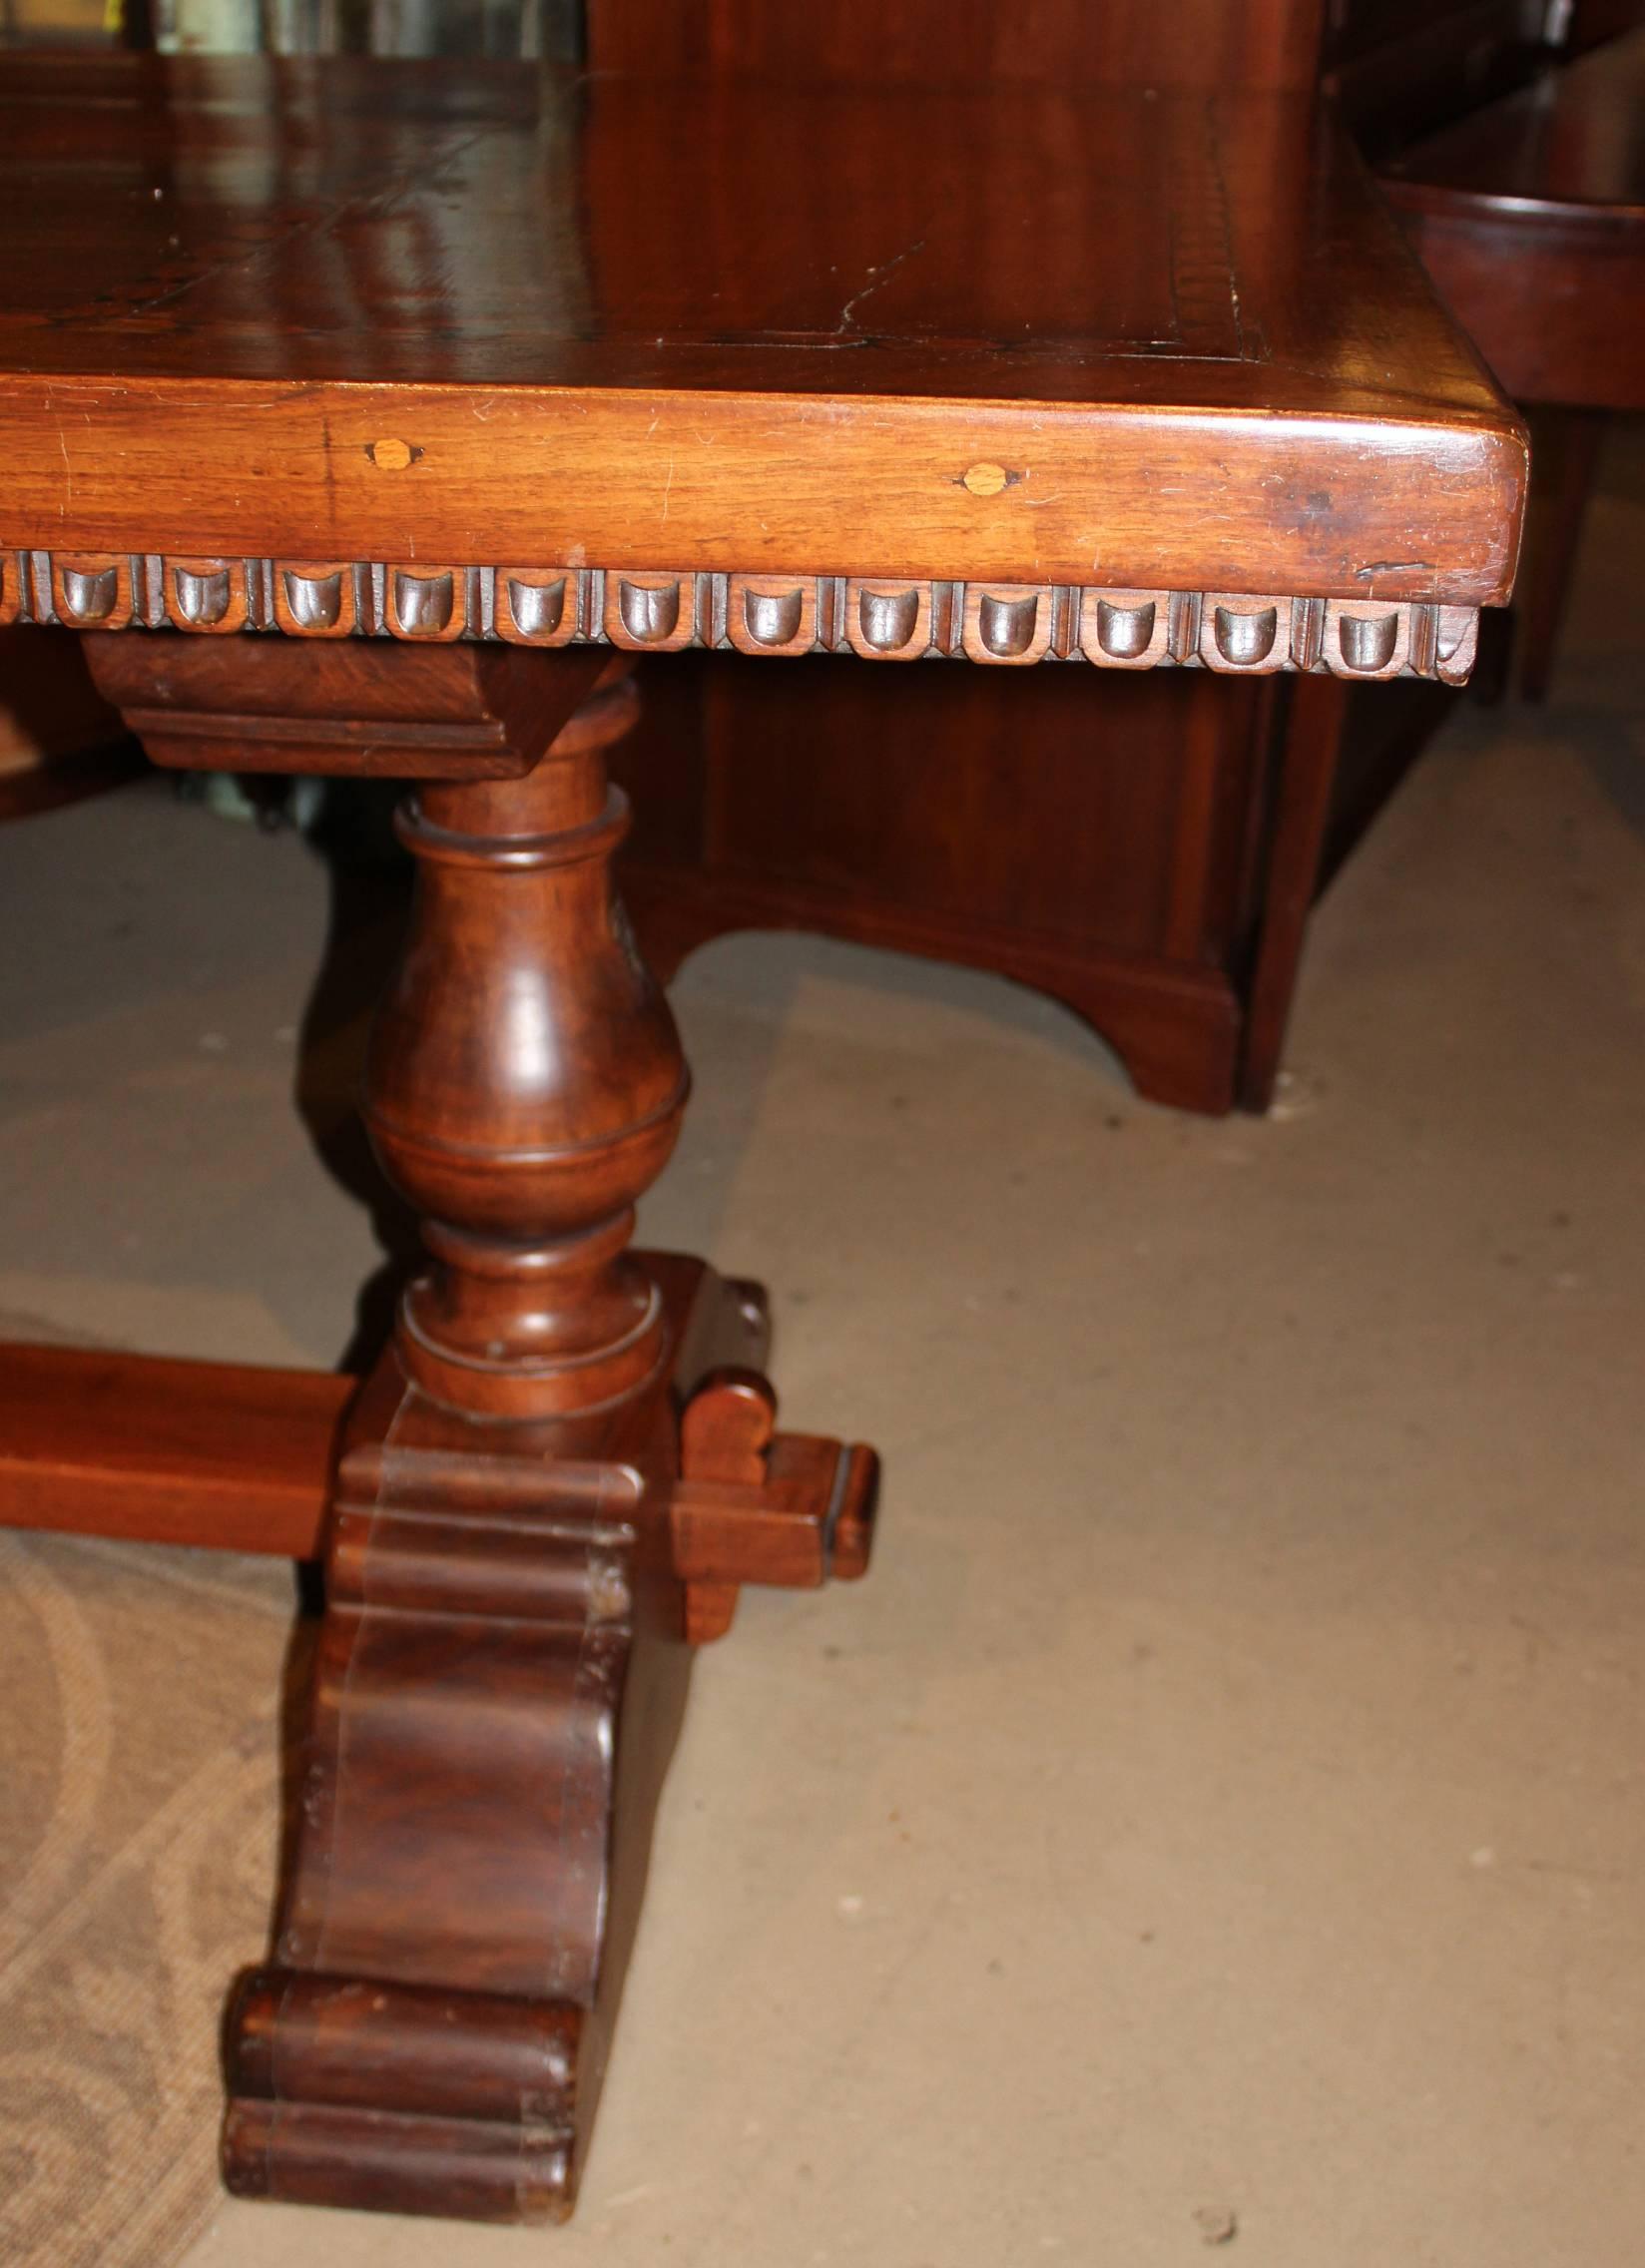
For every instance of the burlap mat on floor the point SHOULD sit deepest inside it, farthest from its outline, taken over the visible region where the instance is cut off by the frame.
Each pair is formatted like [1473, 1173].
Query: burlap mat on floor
[138, 1827]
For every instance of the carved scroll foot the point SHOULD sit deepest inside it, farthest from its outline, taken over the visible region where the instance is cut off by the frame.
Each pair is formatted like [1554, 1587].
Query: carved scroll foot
[535, 1511]
[498, 1688]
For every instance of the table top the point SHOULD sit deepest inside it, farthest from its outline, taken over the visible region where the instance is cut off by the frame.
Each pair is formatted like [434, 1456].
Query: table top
[473, 316]
[1569, 145]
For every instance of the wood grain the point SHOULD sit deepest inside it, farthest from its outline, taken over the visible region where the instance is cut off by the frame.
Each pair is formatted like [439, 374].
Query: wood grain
[533, 1516]
[498, 1688]
[164, 1451]
[471, 314]
[1529, 214]
[422, 385]
[1262, 43]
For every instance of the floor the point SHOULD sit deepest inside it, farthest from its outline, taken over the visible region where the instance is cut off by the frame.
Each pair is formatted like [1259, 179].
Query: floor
[1218, 1825]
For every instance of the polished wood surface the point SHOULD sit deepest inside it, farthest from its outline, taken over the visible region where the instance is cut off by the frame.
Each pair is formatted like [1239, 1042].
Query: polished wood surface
[1569, 145]
[497, 1690]
[525, 1082]
[552, 1486]
[1137, 858]
[525, 1088]
[1097, 849]
[477, 712]
[1530, 217]
[1205, 44]
[456, 377]
[454, 316]
[1529, 214]
[168, 1453]
[1399, 68]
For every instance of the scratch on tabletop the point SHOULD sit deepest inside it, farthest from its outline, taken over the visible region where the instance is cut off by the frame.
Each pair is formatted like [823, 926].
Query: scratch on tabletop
[879, 277]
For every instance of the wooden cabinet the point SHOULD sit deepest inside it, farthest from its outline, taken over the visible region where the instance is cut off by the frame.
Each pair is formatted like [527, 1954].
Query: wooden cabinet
[1122, 870]
[1124, 849]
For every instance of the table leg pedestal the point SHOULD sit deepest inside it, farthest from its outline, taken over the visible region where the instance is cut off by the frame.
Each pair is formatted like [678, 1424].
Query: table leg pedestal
[550, 1489]
[499, 1684]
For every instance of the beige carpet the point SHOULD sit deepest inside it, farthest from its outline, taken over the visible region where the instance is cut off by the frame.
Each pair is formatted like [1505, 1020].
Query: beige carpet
[139, 1690]
[1220, 1820]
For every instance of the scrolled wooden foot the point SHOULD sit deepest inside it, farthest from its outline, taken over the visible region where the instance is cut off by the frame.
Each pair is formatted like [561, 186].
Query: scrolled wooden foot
[523, 1532]
[499, 1684]
[509, 1629]
[401, 2095]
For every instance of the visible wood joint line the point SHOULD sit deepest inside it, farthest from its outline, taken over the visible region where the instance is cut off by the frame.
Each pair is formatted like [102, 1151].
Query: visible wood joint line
[753, 1506]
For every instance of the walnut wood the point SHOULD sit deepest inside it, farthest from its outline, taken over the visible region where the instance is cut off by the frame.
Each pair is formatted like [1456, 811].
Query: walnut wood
[501, 364]
[493, 316]
[525, 1082]
[1530, 217]
[878, 619]
[532, 1518]
[889, 465]
[1116, 853]
[510, 1612]
[1570, 145]
[525, 1087]
[1536, 298]
[1263, 43]
[753, 1506]
[498, 1688]
[162, 1451]
[1176, 1029]
[468, 712]
[1050, 867]
[1399, 68]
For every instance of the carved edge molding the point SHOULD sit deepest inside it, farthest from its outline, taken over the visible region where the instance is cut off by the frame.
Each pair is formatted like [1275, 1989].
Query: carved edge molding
[877, 618]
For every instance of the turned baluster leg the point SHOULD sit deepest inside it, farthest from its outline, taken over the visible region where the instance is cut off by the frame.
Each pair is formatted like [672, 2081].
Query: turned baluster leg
[525, 1087]
[501, 1677]
[524, 1533]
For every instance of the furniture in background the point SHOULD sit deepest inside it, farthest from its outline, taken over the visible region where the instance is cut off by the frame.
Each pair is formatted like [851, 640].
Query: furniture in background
[1175, 824]
[1185, 830]
[396, 446]
[1529, 214]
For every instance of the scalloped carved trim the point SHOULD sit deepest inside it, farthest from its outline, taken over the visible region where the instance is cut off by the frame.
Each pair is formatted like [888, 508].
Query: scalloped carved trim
[880, 618]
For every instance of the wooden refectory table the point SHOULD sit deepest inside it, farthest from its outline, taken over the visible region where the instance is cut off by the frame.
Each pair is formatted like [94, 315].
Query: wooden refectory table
[378, 418]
